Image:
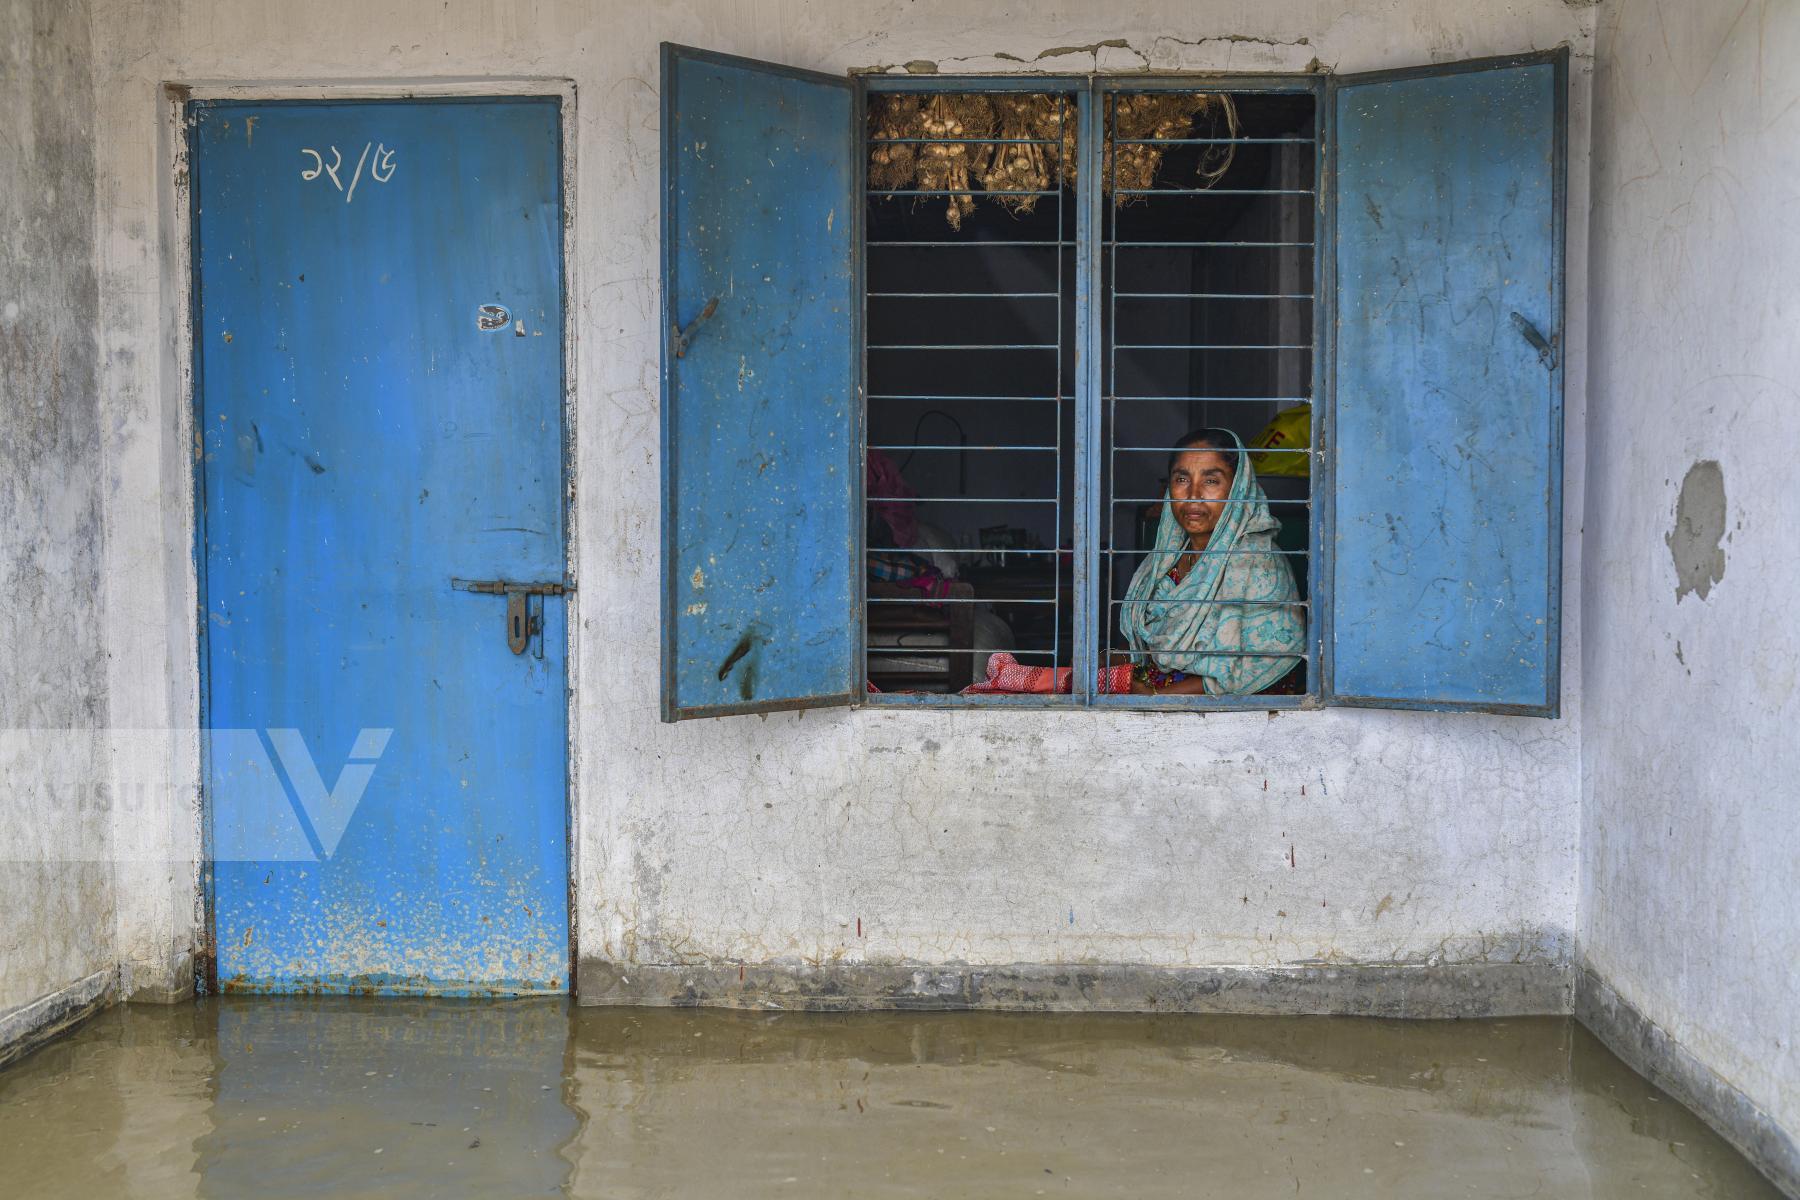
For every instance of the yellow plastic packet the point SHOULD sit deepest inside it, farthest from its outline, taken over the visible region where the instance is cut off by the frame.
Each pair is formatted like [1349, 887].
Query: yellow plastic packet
[1290, 430]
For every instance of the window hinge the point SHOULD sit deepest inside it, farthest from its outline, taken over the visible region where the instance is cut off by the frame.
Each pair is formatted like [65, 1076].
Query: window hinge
[679, 337]
[1545, 347]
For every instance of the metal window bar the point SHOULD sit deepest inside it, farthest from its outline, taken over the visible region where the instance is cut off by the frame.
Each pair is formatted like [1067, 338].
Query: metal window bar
[944, 399]
[1169, 191]
[1238, 600]
[1182, 449]
[970, 499]
[923, 649]
[1105, 265]
[964, 242]
[1222, 650]
[1213, 295]
[1201, 346]
[1307, 503]
[1110, 385]
[963, 295]
[971, 190]
[1052, 596]
[1208, 244]
[1116, 557]
[955, 141]
[1112, 553]
[929, 651]
[1224, 400]
[1299, 654]
[1096, 396]
[1239, 141]
[930, 601]
[959, 550]
[910, 446]
[1062, 113]
[965, 345]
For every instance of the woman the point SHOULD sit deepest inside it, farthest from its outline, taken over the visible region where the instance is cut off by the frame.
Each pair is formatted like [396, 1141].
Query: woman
[1214, 587]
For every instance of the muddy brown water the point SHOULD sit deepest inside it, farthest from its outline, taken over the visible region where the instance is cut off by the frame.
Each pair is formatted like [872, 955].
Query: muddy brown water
[323, 1097]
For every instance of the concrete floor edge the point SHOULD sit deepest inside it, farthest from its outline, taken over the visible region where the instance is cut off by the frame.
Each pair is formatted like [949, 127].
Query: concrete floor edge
[47, 1018]
[1420, 991]
[1648, 1049]
[1502, 989]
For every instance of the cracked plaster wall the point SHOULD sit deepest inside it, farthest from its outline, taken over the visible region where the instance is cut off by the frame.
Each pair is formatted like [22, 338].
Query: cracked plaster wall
[56, 882]
[985, 837]
[1691, 850]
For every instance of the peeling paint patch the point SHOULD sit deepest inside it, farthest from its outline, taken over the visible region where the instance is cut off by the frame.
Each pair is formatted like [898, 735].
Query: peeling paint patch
[1695, 543]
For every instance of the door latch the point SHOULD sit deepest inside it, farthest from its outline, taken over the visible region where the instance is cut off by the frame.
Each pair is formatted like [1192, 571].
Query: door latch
[522, 624]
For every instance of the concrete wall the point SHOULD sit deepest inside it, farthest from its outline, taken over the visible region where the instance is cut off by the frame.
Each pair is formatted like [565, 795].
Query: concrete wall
[866, 836]
[56, 883]
[1691, 849]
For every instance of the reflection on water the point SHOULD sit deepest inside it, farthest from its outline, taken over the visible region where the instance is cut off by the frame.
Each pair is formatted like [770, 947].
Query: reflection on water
[315, 1097]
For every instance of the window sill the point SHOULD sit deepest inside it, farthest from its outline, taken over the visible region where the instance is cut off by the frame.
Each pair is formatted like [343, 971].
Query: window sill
[896, 700]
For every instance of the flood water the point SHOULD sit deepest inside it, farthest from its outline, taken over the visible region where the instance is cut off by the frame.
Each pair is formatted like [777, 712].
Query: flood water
[318, 1097]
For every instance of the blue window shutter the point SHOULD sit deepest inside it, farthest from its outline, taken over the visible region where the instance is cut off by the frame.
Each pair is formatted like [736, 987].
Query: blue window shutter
[1446, 435]
[760, 455]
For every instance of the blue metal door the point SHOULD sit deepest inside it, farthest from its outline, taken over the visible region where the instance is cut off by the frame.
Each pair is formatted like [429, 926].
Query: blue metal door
[378, 348]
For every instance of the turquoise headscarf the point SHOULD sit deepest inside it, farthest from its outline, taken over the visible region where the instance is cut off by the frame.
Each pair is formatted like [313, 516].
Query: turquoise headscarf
[1176, 624]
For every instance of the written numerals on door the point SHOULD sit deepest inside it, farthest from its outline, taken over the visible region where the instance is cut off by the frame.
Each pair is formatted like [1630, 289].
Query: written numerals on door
[381, 168]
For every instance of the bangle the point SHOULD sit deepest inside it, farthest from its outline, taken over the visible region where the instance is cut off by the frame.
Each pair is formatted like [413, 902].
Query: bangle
[1154, 677]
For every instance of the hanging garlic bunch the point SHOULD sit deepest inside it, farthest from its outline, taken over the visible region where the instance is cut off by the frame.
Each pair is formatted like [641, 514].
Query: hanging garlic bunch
[892, 163]
[1018, 165]
[1053, 119]
[1158, 115]
[1152, 115]
[961, 157]
[945, 166]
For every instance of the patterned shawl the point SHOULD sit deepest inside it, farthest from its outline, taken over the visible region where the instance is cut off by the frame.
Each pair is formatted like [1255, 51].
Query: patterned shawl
[1177, 623]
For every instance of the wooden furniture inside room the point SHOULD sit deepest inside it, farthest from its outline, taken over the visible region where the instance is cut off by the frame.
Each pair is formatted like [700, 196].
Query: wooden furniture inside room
[955, 621]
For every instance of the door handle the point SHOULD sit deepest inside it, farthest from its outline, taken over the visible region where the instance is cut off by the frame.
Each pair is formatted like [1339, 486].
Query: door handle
[521, 623]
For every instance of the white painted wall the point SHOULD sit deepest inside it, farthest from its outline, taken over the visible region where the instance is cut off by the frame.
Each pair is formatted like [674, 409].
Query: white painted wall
[1691, 844]
[982, 837]
[56, 878]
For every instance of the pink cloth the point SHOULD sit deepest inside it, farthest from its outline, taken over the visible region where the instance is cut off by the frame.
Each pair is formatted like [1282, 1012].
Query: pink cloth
[933, 585]
[883, 478]
[1006, 675]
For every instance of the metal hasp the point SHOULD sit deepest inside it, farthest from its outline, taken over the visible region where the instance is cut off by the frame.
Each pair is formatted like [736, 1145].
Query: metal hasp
[521, 624]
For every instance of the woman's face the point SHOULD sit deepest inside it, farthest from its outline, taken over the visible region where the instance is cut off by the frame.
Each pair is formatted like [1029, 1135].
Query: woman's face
[1198, 485]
